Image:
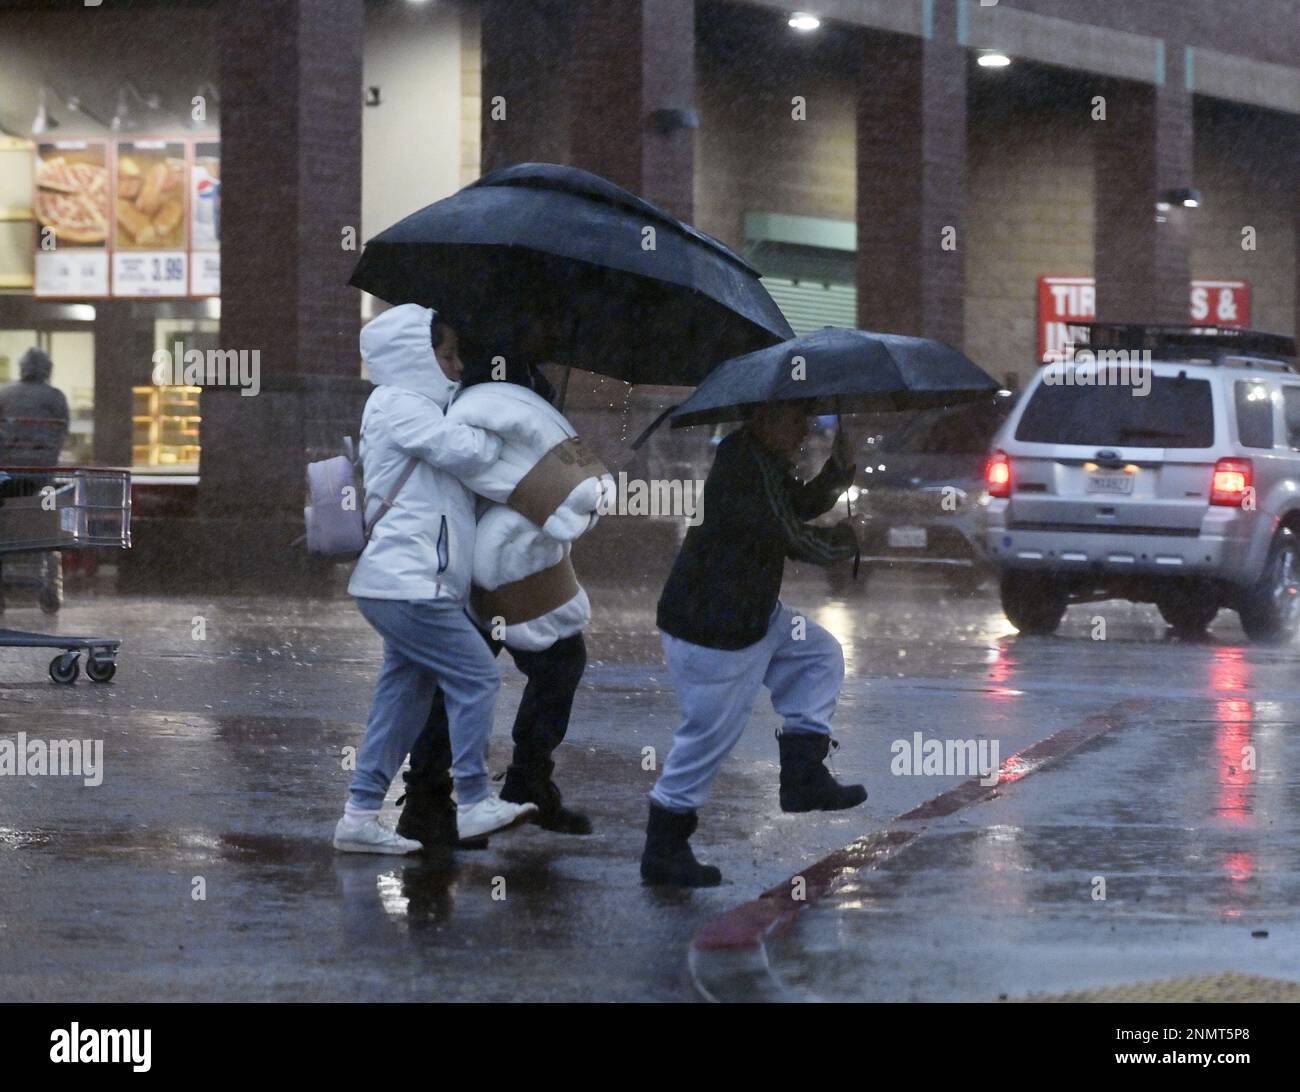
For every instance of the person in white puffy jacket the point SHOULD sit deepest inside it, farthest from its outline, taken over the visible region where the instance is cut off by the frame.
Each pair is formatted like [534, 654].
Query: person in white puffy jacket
[549, 651]
[412, 581]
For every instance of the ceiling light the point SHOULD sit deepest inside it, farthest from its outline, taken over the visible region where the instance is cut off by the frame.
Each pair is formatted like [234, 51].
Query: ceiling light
[992, 58]
[802, 20]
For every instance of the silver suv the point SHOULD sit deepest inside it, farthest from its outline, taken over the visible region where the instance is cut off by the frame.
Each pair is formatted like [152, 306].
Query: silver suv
[1161, 465]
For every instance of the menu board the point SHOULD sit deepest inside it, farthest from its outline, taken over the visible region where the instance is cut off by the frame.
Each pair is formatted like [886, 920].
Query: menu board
[150, 244]
[205, 220]
[70, 203]
[133, 218]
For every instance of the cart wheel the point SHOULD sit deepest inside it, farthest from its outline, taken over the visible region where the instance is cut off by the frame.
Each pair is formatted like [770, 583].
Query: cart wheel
[50, 601]
[100, 670]
[65, 669]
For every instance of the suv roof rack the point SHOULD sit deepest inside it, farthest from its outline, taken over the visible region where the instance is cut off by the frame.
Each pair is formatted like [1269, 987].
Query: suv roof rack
[1216, 342]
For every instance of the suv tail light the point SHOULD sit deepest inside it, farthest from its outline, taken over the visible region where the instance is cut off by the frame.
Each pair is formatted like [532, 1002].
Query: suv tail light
[997, 475]
[1232, 477]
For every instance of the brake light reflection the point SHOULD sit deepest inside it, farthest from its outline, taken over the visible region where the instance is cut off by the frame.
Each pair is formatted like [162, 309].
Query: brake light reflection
[997, 475]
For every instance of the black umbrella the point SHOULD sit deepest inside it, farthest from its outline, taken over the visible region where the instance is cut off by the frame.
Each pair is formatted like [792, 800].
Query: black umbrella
[636, 294]
[832, 370]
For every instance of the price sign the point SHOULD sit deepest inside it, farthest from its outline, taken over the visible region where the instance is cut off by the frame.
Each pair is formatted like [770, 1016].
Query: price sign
[149, 273]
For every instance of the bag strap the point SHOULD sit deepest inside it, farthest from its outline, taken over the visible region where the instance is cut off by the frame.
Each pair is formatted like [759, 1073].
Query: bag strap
[385, 503]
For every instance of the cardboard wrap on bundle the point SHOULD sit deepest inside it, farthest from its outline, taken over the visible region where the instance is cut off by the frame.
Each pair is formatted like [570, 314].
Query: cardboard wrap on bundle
[528, 599]
[544, 488]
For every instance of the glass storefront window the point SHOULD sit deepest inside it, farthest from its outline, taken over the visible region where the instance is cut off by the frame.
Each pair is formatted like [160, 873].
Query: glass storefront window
[165, 419]
[13, 343]
[74, 374]
[165, 427]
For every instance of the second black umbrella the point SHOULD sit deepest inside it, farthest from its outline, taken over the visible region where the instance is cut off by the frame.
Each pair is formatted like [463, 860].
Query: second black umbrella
[833, 370]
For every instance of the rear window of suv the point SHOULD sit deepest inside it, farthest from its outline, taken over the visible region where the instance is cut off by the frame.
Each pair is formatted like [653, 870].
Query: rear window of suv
[1175, 413]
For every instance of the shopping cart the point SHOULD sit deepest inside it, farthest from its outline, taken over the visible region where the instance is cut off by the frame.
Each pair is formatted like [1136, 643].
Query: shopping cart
[53, 508]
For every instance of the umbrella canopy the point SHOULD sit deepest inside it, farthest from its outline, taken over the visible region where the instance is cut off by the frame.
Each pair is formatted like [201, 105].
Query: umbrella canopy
[635, 293]
[832, 370]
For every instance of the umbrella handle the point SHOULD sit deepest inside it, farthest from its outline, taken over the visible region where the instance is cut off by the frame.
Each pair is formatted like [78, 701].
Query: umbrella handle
[841, 448]
[646, 433]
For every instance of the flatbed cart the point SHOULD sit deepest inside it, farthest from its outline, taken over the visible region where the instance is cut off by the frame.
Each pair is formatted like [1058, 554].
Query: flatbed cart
[65, 508]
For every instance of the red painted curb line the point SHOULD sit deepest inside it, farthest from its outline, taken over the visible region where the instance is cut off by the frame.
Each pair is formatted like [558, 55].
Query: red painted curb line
[749, 925]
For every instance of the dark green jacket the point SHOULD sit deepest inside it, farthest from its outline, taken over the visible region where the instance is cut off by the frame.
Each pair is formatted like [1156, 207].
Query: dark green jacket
[727, 576]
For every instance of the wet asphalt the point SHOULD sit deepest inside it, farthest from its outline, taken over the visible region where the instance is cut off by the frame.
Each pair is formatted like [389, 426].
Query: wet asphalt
[223, 776]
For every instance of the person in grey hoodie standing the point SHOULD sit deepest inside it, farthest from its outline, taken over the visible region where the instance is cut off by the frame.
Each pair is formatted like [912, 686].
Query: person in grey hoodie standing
[33, 414]
[412, 581]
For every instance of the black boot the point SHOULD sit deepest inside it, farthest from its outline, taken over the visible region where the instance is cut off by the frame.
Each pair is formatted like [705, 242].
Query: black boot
[806, 784]
[532, 784]
[429, 814]
[668, 858]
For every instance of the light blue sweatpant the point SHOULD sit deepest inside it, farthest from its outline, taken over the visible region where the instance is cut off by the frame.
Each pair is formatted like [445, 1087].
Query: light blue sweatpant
[798, 661]
[427, 644]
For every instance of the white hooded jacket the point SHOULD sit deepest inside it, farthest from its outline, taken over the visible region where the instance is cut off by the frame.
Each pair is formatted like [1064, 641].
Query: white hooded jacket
[423, 547]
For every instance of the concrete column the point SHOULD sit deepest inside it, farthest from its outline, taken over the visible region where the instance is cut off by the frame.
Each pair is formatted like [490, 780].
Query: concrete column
[525, 83]
[123, 351]
[632, 59]
[911, 182]
[291, 184]
[1143, 150]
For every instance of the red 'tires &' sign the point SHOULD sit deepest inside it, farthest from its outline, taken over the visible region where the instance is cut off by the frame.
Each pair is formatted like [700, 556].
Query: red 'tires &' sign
[1064, 302]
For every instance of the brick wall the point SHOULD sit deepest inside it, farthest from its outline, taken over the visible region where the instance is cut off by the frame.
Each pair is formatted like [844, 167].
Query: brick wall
[471, 94]
[1245, 169]
[750, 155]
[1029, 214]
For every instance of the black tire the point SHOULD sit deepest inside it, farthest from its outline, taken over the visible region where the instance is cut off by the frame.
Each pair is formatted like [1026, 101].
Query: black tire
[100, 671]
[1188, 609]
[1270, 611]
[65, 669]
[1033, 602]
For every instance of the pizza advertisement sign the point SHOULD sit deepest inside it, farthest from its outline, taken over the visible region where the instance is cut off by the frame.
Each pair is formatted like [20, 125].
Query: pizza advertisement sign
[1065, 303]
[205, 219]
[70, 203]
[151, 228]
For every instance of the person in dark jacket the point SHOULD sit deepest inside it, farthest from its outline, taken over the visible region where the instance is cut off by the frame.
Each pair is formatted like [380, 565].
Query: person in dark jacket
[726, 633]
[33, 414]
[551, 679]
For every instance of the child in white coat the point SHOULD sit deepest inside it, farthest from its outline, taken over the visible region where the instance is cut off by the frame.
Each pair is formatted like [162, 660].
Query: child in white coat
[412, 581]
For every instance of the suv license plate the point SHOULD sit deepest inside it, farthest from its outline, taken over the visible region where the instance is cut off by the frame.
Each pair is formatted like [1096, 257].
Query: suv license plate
[1110, 483]
[907, 538]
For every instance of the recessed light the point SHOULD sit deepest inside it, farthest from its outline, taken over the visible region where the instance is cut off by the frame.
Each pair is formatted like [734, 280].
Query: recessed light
[802, 20]
[993, 59]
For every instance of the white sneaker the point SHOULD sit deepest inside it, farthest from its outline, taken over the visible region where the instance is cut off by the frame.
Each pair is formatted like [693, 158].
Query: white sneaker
[369, 836]
[490, 814]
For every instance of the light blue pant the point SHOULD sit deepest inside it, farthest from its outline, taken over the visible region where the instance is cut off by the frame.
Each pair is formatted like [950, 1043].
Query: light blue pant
[427, 644]
[798, 661]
